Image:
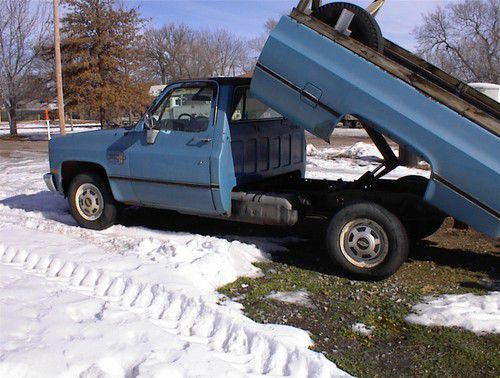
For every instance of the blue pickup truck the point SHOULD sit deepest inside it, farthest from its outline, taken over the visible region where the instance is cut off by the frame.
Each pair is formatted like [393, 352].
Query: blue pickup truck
[234, 148]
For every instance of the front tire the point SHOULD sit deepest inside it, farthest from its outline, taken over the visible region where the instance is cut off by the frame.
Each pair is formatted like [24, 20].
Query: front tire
[91, 202]
[367, 241]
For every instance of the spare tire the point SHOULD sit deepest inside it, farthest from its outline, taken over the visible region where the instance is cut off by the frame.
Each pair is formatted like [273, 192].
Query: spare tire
[364, 28]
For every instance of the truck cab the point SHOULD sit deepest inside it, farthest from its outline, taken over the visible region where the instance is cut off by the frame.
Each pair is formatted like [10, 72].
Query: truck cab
[197, 142]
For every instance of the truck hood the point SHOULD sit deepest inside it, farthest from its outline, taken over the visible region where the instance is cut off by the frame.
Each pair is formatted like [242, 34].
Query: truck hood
[91, 146]
[86, 140]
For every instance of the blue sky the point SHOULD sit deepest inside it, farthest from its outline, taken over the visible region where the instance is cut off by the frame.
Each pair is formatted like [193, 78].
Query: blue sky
[246, 17]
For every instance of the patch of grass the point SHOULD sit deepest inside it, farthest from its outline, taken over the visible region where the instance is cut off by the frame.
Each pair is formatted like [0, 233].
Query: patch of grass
[395, 348]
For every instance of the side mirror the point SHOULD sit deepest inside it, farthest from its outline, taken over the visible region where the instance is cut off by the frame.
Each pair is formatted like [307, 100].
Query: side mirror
[151, 132]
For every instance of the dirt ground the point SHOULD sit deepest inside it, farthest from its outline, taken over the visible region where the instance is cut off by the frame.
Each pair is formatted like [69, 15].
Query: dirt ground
[9, 145]
[449, 262]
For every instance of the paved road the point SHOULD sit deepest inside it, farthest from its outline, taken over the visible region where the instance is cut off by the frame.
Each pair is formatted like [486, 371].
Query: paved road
[8, 146]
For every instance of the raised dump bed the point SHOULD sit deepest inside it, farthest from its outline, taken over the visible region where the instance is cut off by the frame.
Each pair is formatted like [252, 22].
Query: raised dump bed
[315, 76]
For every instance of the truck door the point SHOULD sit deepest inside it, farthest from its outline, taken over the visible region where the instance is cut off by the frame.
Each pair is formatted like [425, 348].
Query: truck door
[174, 172]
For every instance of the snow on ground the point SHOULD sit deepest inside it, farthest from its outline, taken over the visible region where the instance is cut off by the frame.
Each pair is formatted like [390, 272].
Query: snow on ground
[298, 297]
[477, 313]
[363, 151]
[362, 329]
[128, 301]
[38, 130]
[349, 163]
[131, 301]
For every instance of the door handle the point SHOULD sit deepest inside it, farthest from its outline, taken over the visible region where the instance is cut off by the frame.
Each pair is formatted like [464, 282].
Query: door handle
[204, 140]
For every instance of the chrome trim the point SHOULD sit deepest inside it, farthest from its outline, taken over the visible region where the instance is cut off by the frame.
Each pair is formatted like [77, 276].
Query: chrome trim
[163, 182]
[49, 181]
[465, 195]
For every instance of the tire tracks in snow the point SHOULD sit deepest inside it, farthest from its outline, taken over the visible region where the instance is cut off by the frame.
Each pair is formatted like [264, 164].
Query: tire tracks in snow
[247, 345]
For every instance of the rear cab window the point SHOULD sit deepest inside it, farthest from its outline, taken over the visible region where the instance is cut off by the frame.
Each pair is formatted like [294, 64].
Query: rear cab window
[248, 108]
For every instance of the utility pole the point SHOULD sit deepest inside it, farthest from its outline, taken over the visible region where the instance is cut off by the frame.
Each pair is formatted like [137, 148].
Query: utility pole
[57, 48]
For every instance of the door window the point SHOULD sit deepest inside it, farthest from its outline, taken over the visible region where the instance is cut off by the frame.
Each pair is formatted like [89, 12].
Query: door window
[186, 109]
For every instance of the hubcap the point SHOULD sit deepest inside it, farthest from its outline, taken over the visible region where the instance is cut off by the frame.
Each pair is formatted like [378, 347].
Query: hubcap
[89, 202]
[364, 243]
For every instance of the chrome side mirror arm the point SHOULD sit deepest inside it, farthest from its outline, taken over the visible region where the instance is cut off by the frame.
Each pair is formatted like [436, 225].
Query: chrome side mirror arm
[151, 132]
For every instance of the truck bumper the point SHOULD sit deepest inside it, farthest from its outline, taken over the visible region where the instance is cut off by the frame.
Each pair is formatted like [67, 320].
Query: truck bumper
[49, 181]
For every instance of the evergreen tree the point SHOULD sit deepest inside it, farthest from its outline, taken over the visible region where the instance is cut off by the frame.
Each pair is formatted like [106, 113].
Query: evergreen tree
[101, 54]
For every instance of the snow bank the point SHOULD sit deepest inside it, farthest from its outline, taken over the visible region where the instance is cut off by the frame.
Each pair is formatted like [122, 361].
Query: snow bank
[359, 150]
[271, 350]
[311, 150]
[350, 163]
[128, 301]
[477, 313]
[363, 151]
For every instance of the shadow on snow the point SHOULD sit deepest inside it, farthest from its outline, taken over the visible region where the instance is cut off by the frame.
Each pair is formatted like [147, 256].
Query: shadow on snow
[310, 253]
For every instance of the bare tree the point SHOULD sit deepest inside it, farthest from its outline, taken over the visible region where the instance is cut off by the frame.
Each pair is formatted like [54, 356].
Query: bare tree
[23, 27]
[167, 48]
[225, 54]
[257, 44]
[463, 39]
[178, 51]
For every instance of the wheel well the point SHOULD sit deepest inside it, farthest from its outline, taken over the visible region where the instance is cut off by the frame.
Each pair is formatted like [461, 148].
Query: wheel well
[70, 169]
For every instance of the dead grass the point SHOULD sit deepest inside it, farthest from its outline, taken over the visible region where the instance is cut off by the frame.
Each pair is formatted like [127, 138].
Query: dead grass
[450, 262]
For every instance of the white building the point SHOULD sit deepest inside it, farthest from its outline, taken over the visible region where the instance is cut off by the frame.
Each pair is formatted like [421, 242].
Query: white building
[490, 90]
[155, 90]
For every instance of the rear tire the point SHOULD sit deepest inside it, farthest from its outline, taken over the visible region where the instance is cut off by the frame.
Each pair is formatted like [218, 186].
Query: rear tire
[91, 202]
[429, 219]
[364, 28]
[367, 241]
[425, 227]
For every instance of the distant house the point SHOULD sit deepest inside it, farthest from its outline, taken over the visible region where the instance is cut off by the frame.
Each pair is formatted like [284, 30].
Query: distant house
[155, 90]
[30, 110]
[489, 89]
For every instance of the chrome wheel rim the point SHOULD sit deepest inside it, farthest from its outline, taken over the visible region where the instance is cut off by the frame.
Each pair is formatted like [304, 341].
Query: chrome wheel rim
[89, 202]
[364, 243]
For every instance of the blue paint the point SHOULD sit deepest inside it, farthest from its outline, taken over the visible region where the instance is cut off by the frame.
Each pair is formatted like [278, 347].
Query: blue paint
[190, 172]
[460, 151]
